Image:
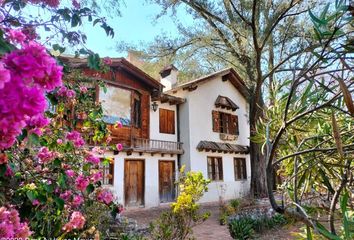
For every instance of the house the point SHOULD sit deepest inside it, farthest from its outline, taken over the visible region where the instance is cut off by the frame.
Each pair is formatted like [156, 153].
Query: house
[143, 173]
[202, 124]
[214, 129]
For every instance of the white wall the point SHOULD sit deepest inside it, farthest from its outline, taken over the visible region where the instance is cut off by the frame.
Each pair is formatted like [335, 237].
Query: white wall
[151, 183]
[200, 104]
[155, 123]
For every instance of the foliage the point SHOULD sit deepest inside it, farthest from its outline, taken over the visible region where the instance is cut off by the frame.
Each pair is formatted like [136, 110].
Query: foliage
[177, 223]
[228, 209]
[243, 226]
[49, 181]
[306, 133]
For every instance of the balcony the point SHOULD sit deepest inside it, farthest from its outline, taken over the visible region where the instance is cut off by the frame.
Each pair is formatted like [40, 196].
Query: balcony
[156, 146]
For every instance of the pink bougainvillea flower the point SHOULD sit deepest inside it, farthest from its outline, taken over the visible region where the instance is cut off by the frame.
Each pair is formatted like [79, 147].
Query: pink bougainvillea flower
[77, 200]
[4, 75]
[119, 147]
[97, 150]
[59, 141]
[16, 36]
[9, 172]
[77, 221]
[107, 61]
[83, 89]
[76, 138]
[118, 125]
[81, 182]
[70, 173]
[92, 159]
[11, 226]
[97, 176]
[66, 195]
[35, 202]
[45, 155]
[76, 4]
[105, 196]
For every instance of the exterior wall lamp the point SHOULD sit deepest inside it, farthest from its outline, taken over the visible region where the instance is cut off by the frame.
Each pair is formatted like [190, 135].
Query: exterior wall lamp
[154, 106]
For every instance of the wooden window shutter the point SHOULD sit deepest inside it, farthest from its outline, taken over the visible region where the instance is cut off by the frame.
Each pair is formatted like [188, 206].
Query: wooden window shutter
[234, 125]
[167, 121]
[216, 121]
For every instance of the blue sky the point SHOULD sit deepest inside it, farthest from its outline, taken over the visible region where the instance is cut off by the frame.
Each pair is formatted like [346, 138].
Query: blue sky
[136, 25]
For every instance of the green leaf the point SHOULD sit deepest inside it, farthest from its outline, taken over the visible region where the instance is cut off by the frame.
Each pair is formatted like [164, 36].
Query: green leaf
[59, 48]
[326, 233]
[60, 203]
[75, 20]
[308, 233]
[31, 195]
[33, 139]
[343, 206]
[2, 169]
[316, 19]
[62, 180]
[90, 188]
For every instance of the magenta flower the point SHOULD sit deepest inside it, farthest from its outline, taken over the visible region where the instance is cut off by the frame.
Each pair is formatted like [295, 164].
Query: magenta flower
[83, 89]
[59, 141]
[97, 176]
[66, 195]
[35, 202]
[105, 196]
[92, 159]
[81, 182]
[70, 173]
[77, 200]
[45, 155]
[77, 221]
[119, 147]
[11, 226]
[16, 36]
[4, 75]
[107, 61]
[76, 138]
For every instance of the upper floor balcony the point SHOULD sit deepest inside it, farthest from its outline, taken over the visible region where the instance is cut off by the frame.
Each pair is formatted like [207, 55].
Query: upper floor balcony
[156, 146]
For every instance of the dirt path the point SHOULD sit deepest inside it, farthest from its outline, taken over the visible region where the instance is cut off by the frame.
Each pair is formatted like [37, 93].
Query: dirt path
[210, 229]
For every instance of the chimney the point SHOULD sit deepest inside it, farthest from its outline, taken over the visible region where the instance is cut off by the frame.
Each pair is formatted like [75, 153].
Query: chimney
[169, 77]
[134, 57]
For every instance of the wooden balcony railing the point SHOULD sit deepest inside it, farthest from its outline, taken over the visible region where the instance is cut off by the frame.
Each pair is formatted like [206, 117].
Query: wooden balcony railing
[158, 146]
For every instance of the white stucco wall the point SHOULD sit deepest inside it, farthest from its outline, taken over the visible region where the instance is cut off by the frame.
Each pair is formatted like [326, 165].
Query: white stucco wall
[151, 182]
[200, 104]
[155, 123]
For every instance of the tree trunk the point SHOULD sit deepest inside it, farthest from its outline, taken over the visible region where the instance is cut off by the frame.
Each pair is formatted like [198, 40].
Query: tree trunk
[258, 166]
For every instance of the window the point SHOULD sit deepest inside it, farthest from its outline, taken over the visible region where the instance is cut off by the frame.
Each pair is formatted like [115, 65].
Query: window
[137, 111]
[116, 105]
[108, 174]
[240, 168]
[167, 121]
[225, 123]
[215, 171]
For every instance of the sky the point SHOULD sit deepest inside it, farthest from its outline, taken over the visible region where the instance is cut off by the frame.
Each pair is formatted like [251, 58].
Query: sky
[135, 26]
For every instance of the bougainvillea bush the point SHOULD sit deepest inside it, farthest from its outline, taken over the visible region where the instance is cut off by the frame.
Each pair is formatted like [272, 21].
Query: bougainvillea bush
[48, 175]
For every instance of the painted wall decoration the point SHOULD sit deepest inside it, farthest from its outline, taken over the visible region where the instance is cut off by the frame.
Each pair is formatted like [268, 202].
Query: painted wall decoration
[116, 104]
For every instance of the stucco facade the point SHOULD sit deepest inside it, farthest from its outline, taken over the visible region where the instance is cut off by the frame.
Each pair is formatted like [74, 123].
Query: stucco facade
[196, 125]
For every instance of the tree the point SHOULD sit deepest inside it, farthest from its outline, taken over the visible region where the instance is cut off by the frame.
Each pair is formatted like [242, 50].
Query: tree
[307, 133]
[260, 39]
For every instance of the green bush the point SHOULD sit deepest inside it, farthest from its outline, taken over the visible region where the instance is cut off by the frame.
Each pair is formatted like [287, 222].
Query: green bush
[227, 210]
[243, 226]
[241, 229]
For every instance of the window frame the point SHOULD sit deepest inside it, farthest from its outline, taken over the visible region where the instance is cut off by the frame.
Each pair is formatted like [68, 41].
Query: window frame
[215, 163]
[107, 170]
[240, 169]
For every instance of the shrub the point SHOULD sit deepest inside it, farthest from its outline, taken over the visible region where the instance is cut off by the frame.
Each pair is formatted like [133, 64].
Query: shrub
[244, 225]
[177, 223]
[227, 210]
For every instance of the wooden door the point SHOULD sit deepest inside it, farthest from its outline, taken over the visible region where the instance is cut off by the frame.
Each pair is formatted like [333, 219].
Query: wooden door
[134, 182]
[167, 181]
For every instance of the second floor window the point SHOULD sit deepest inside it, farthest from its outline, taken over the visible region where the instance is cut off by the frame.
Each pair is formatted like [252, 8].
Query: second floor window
[215, 170]
[240, 168]
[225, 123]
[167, 121]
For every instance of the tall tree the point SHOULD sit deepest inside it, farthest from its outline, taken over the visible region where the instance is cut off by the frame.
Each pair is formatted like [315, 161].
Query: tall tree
[259, 38]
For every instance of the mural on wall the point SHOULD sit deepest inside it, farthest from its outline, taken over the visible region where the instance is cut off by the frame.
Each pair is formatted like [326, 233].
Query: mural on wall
[116, 105]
